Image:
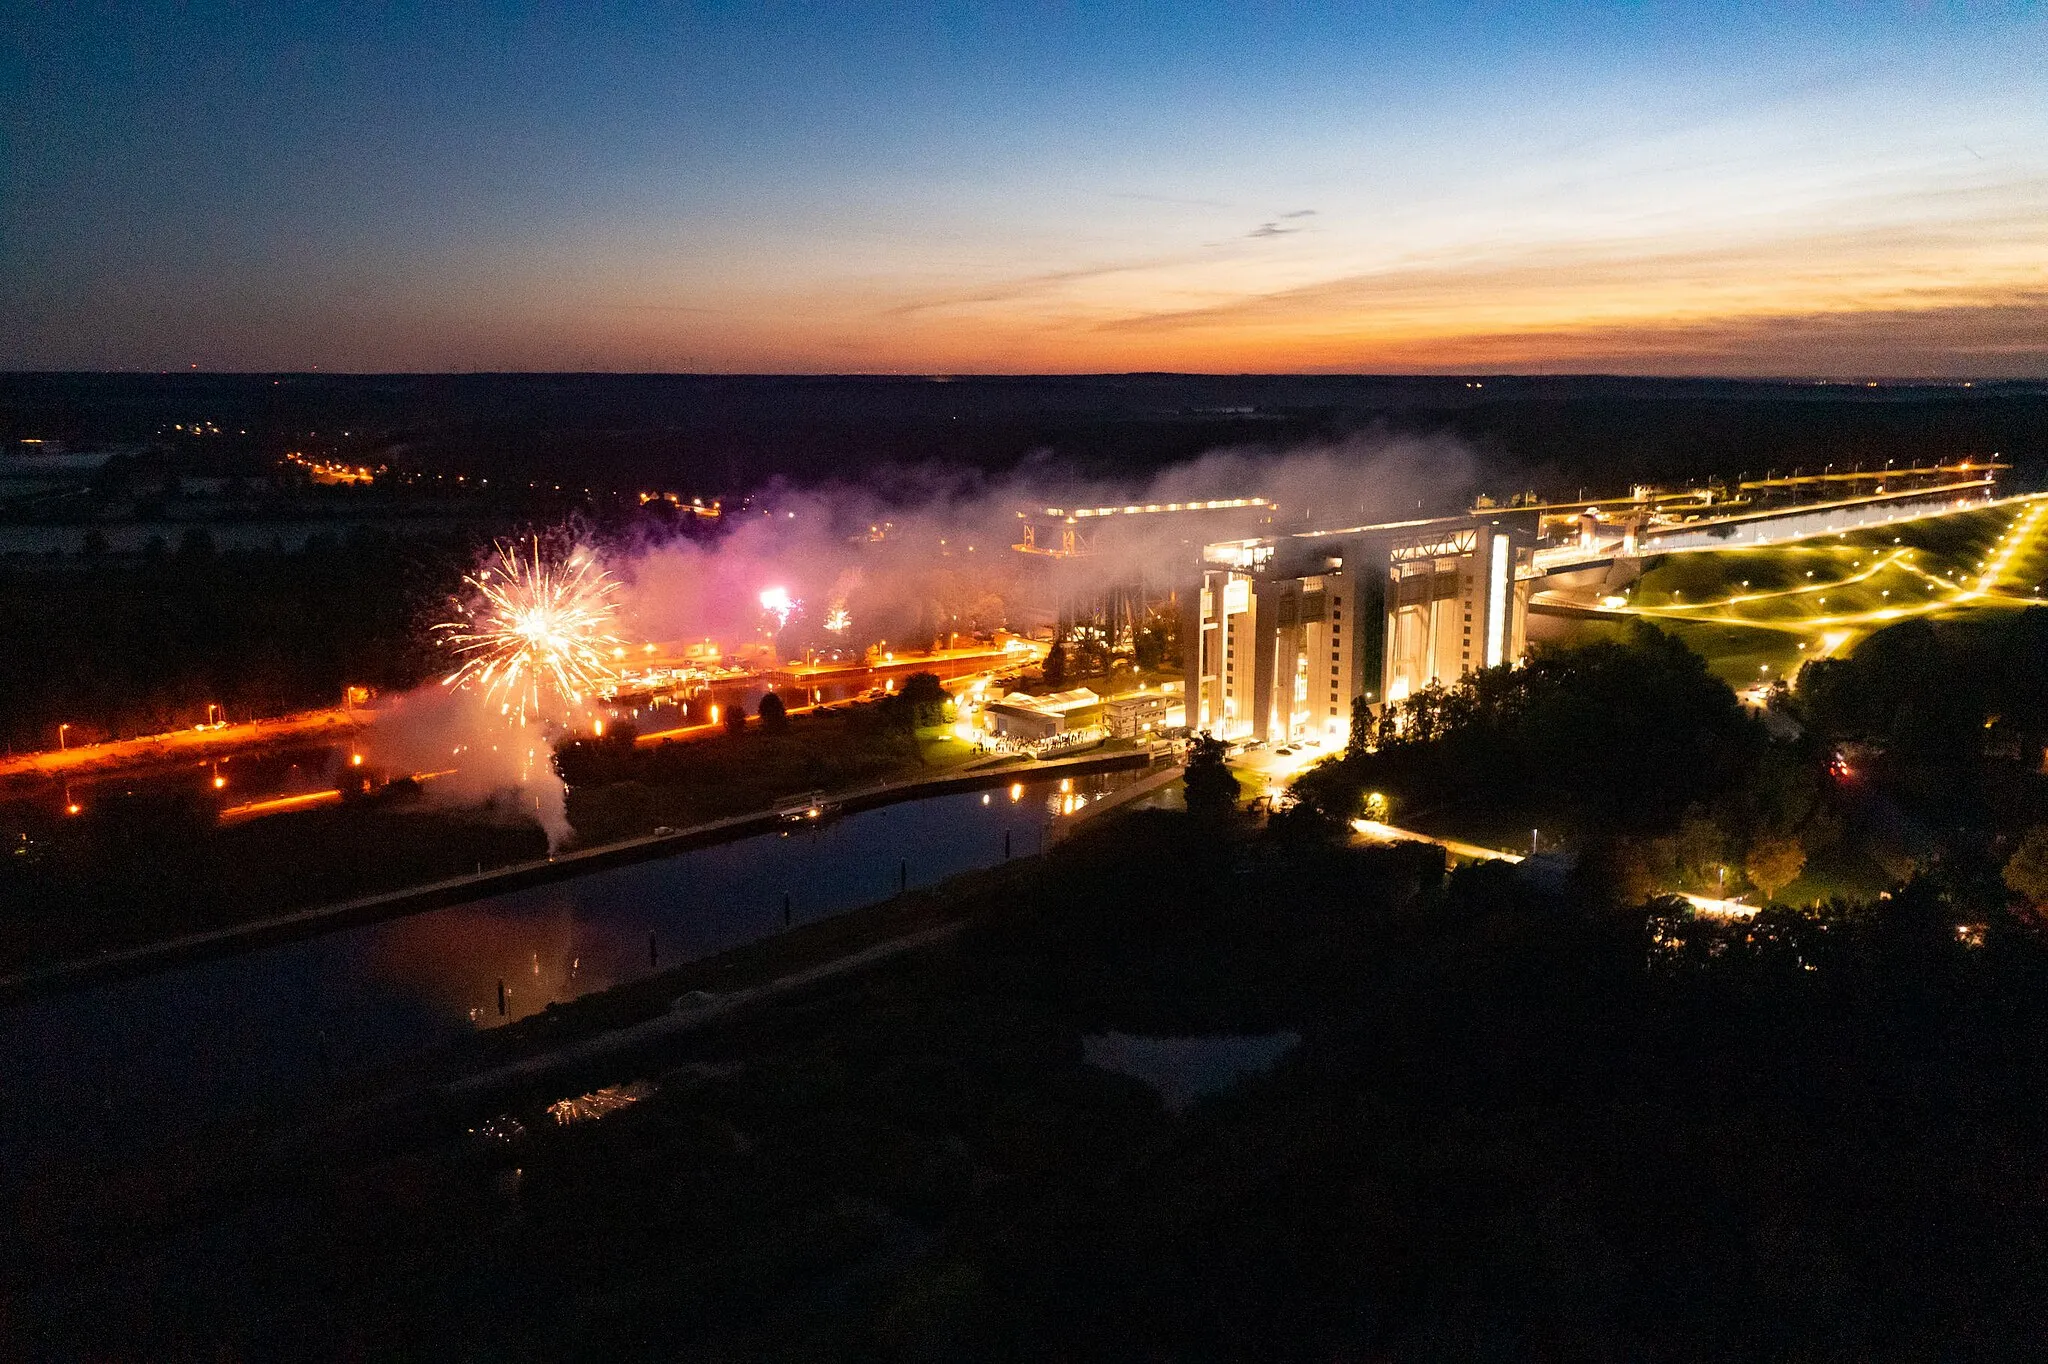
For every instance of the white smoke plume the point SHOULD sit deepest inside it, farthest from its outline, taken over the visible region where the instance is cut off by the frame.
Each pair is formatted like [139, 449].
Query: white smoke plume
[468, 755]
[917, 553]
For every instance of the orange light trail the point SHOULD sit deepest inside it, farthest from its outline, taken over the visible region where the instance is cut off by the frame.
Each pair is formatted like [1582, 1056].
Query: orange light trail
[279, 804]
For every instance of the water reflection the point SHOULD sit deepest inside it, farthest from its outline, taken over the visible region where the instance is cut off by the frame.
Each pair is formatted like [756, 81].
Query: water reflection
[109, 1067]
[226, 781]
[1184, 1069]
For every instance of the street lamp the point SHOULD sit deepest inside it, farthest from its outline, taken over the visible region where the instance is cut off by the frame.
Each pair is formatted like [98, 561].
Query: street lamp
[60, 736]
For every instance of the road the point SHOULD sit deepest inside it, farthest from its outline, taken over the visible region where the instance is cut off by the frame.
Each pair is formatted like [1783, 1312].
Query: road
[955, 668]
[1274, 769]
[346, 726]
[179, 745]
[1373, 831]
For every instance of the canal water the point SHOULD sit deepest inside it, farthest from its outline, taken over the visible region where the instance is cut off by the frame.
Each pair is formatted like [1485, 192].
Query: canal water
[126, 1064]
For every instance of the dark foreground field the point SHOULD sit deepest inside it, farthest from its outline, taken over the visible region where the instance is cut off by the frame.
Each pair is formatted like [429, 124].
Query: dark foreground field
[1517, 1123]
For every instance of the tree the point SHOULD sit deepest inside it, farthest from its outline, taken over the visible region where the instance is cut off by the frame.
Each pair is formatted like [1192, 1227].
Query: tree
[196, 546]
[1619, 736]
[1701, 850]
[736, 717]
[1157, 644]
[1360, 739]
[1303, 825]
[1211, 785]
[1774, 863]
[1089, 656]
[774, 715]
[587, 760]
[1616, 869]
[924, 696]
[1055, 669]
[2026, 871]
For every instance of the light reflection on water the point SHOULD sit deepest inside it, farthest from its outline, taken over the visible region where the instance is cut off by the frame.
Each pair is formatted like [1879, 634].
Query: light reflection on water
[112, 1066]
[1184, 1069]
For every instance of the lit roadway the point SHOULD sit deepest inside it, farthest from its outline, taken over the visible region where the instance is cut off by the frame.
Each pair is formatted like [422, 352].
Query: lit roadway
[201, 741]
[347, 724]
[955, 666]
[1277, 769]
[1373, 831]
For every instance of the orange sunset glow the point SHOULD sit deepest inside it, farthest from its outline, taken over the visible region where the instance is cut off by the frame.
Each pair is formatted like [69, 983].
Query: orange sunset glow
[1716, 190]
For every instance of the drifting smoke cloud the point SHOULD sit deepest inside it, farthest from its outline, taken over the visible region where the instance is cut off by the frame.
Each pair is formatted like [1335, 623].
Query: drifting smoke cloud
[918, 553]
[471, 756]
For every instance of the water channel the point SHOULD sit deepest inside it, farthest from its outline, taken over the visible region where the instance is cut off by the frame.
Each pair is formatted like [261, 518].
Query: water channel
[125, 1064]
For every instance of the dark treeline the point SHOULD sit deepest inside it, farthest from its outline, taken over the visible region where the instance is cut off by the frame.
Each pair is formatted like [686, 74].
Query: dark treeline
[1629, 753]
[1947, 722]
[141, 867]
[1939, 695]
[123, 645]
[1613, 735]
[735, 433]
[1923, 749]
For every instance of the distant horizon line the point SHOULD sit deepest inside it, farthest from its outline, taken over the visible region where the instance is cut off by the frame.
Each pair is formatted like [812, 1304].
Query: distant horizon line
[1816, 380]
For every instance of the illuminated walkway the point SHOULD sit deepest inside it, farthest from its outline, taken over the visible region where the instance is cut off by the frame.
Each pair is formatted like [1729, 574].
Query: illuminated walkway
[1373, 831]
[1746, 598]
[1993, 582]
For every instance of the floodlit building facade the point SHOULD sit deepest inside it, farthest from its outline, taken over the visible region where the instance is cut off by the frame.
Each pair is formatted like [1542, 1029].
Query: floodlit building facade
[1134, 715]
[1457, 599]
[1284, 633]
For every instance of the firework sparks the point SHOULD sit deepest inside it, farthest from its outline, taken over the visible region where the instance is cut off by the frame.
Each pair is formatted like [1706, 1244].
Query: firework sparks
[777, 602]
[534, 629]
[839, 620]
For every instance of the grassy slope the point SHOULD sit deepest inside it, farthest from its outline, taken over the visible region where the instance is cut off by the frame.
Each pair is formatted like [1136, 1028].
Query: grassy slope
[696, 780]
[1767, 638]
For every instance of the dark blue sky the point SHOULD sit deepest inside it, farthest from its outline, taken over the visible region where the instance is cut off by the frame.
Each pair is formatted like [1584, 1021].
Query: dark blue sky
[1042, 187]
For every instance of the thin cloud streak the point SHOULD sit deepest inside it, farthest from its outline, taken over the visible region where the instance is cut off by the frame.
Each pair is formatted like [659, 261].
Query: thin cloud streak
[1032, 286]
[1997, 340]
[1871, 267]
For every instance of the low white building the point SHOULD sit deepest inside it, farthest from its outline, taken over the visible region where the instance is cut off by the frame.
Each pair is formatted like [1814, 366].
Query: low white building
[1027, 719]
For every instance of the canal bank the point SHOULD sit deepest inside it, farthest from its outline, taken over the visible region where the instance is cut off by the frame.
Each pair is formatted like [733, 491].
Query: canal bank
[306, 923]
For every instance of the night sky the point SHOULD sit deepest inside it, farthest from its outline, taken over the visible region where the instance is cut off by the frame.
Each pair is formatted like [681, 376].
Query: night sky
[1684, 188]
